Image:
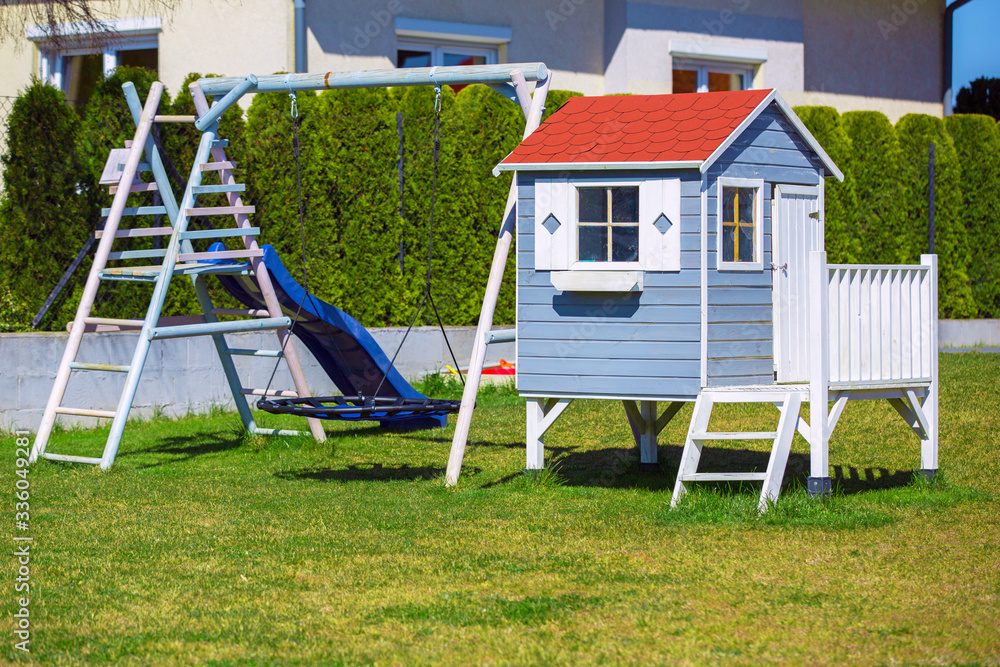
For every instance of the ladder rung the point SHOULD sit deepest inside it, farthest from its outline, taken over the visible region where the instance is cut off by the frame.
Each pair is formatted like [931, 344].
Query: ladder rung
[216, 328]
[142, 166]
[214, 189]
[114, 321]
[246, 391]
[86, 412]
[724, 477]
[220, 233]
[220, 210]
[220, 143]
[501, 336]
[138, 231]
[222, 254]
[136, 187]
[72, 459]
[252, 312]
[138, 254]
[137, 210]
[173, 119]
[113, 368]
[129, 277]
[250, 352]
[217, 166]
[750, 435]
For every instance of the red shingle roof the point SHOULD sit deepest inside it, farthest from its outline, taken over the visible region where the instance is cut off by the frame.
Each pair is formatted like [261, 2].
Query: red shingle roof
[637, 128]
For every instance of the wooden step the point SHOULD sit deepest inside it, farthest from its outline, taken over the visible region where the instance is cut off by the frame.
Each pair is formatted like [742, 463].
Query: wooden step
[86, 412]
[220, 210]
[137, 254]
[66, 458]
[220, 233]
[219, 328]
[114, 321]
[222, 254]
[137, 210]
[217, 166]
[112, 368]
[242, 312]
[161, 118]
[136, 187]
[725, 477]
[137, 232]
[247, 391]
[250, 352]
[749, 435]
[151, 273]
[215, 189]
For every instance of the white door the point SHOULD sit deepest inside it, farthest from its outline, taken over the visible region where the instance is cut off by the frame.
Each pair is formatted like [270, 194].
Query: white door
[797, 229]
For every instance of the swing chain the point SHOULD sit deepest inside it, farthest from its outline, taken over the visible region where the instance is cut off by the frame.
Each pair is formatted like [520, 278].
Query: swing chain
[437, 99]
[295, 106]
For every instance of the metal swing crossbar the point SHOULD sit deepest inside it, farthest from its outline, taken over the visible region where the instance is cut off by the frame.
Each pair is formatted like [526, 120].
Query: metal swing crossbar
[360, 408]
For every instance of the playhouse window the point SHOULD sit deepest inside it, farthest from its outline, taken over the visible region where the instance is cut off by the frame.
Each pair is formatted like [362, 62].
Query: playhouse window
[740, 214]
[608, 229]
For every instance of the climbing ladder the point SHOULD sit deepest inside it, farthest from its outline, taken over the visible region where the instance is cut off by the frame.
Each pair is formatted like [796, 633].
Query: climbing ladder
[787, 398]
[177, 258]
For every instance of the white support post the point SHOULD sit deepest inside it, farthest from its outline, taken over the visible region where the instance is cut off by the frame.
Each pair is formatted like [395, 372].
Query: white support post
[648, 433]
[819, 375]
[542, 414]
[929, 445]
[507, 230]
[536, 445]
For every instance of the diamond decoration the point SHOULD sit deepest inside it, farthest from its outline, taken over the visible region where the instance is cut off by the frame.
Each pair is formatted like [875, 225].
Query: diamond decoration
[663, 223]
[551, 224]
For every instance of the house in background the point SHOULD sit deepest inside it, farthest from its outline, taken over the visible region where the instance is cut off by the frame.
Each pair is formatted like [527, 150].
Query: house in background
[849, 54]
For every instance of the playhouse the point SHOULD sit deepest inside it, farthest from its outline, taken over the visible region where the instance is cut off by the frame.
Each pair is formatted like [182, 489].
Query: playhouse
[669, 249]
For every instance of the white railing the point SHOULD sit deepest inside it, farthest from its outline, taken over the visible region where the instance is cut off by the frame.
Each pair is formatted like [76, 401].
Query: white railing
[880, 321]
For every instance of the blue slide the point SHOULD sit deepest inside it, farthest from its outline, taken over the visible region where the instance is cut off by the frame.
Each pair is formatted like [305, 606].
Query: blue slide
[341, 345]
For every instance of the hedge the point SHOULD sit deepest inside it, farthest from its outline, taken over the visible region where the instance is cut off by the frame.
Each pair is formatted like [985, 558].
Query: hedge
[977, 143]
[842, 231]
[916, 132]
[356, 225]
[47, 211]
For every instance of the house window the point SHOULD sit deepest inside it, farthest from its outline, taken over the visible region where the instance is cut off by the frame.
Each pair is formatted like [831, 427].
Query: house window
[84, 57]
[608, 226]
[709, 68]
[415, 54]
[710, 78]
[740, 224]
[423, 43]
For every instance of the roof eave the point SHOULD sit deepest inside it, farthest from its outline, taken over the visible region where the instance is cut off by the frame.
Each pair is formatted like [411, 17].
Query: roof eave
[594, 166]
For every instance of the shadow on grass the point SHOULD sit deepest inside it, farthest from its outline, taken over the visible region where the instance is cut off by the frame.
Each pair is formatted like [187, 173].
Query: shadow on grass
[374, 473]
[619, 467]
[184, 448]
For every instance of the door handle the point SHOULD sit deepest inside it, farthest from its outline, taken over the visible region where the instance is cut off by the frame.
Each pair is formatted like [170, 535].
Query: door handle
[776, 267]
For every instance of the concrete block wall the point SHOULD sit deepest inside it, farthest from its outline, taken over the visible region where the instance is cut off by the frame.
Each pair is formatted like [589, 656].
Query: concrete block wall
[184, 375]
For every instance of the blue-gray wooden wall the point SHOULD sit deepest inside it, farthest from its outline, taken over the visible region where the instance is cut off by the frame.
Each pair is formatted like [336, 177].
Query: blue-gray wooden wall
[648, 344]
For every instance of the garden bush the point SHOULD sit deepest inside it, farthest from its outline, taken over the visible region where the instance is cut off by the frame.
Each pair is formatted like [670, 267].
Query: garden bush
[977, 144]
[842, 230]
[46, 214]
[915, 133]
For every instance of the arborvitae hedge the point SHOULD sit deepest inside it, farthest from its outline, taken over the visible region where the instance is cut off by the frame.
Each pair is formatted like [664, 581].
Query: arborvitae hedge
[44, 216]
[842, 231]
[880, 223]
[915, 133]
[977, 143]
[350, 189]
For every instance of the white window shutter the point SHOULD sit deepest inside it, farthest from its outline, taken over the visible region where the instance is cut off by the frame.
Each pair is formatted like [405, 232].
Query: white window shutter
[552, 224]
[660, 224]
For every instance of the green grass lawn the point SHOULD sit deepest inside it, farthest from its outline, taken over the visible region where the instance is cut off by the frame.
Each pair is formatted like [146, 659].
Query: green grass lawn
[201, 546]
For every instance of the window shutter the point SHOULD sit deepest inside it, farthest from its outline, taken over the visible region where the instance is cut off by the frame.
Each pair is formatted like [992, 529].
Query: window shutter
[552, 224]
[660, 224]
